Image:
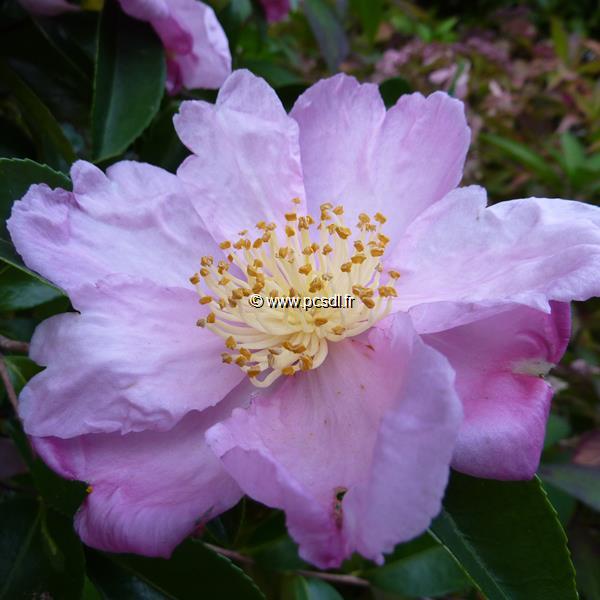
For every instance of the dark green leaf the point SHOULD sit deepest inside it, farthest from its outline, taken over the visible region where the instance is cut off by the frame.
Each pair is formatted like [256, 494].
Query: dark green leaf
[39, 552]
[14, 142]
[20, 369]
[557, 429]
[585, 545]
[370, 13]
[328, 31]
[507, 537]
[19, 291]
[577, 480]
[422, 567]
[392, 89]
[39, 119]
[160, 144]
[129, 81]
[297, 587]
[192, 572]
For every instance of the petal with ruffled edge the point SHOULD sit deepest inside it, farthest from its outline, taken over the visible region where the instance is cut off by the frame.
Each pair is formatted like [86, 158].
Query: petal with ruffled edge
[132, 360]
[471, 261]
[149, 489]
[356, 452]
[498, 363]
[356, 154]
[246, 166]
[136, 220]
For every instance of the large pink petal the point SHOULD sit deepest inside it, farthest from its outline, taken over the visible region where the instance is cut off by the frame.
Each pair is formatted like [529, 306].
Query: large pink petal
[498, 363]
[375, 424]
[460, 260]
[135, 220]
[132, 360]
[149, 489]
[398, 163]
[246, 166]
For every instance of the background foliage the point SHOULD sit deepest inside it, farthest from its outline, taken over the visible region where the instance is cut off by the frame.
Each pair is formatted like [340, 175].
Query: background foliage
[80, 86]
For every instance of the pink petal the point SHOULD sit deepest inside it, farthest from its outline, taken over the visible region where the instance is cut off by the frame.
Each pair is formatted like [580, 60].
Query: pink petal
[377, 422]
[498, 363]
[398, 163]
[246, 166]
[198, 53]
[135, 220]
[276, 10]
[469, 261]
[132, 360]
[150, 489]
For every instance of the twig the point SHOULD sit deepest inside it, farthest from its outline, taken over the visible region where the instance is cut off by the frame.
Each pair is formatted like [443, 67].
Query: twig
[333, 577]
[10, 390]
[13, 345]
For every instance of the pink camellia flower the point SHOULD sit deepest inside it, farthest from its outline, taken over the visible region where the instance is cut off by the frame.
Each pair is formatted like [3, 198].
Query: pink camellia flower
[275, 10]
[197, 49]
[172, 395]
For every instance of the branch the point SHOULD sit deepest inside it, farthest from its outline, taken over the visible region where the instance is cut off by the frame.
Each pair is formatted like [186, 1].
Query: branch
[10, 390]
[13, 345]
[333, 577]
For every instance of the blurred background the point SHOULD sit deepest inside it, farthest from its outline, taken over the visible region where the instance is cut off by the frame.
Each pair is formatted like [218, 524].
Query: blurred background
[529, 75]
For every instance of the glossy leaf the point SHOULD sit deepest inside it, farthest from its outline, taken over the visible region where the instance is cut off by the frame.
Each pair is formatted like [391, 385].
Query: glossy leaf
[297, 587]
[40, 554]
[129, 81]
[507, 537]
[422, 567]
[577, 480]
[193, 571]
[19, 291]
[52, 141]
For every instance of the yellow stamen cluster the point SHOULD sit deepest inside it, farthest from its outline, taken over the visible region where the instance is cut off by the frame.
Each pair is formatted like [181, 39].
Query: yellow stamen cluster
[311, 258]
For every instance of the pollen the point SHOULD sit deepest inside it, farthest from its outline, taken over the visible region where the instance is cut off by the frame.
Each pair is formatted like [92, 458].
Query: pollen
[304, 258]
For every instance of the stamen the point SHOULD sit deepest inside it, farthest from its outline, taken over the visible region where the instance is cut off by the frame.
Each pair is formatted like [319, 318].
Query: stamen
[342, 262]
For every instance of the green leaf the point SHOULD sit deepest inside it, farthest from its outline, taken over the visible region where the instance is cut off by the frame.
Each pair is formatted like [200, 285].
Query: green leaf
[578, 480]
[557, 429]
[522, 154]
[573, 153]
[19, 291]
[507, 537]
[160, 144]
[370, 14]
[297, 587]
[560, 39]
[20, 369]
[392, 89]
[40, 119]
[422, 567]
[40, 555]
[129, 81]
[328, 31]
[193, 571]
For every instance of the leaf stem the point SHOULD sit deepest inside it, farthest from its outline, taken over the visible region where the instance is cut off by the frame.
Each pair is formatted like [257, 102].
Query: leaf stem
[13, 345]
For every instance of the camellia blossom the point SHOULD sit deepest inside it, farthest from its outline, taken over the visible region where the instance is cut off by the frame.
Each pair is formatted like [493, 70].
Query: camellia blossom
[172, 396]
[196, 46]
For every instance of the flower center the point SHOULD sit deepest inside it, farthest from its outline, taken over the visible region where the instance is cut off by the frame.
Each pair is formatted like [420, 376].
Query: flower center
[334, 273]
